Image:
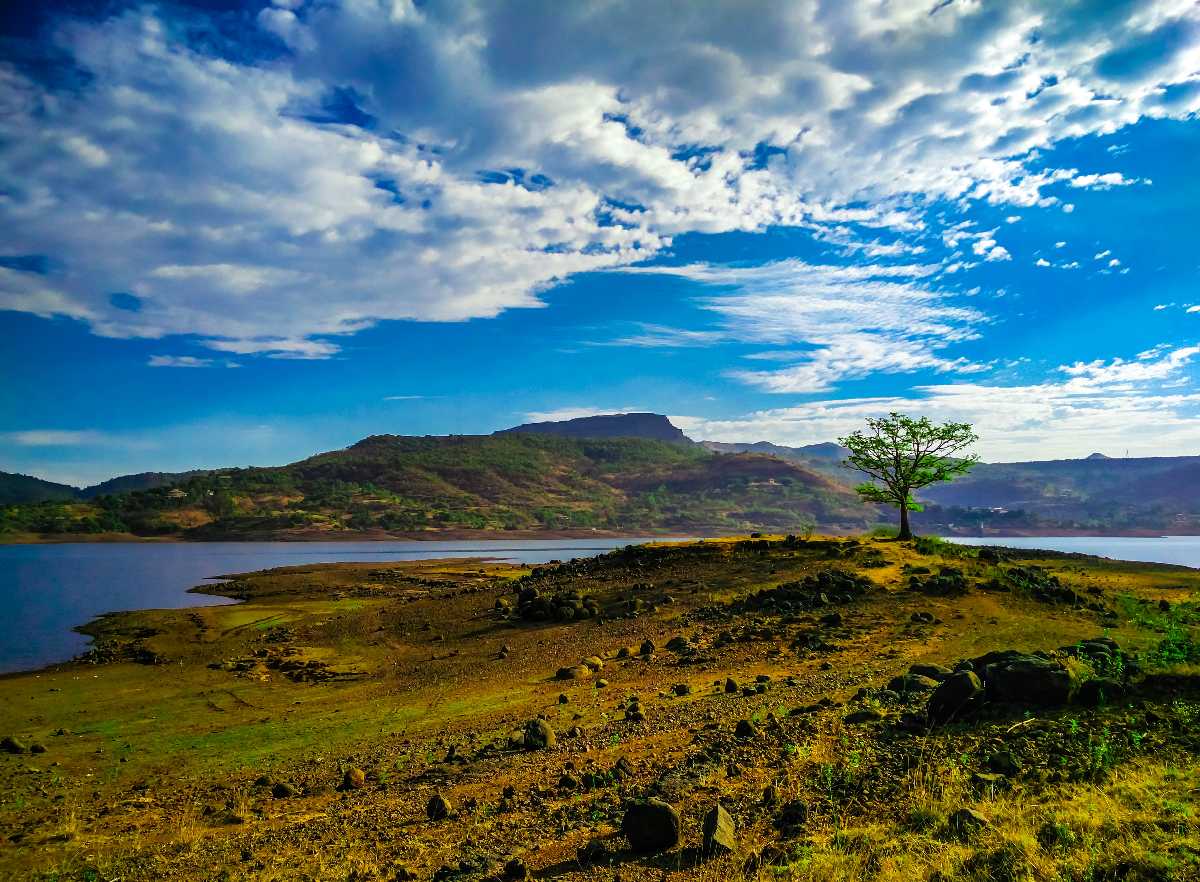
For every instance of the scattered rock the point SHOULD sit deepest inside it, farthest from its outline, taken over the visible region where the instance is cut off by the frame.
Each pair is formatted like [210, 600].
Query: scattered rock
[651, 826]
[572, 672]
[954, 697]
[647, 648]
[539, 735]
[745, 729]
[438, 807]
[731, 685]
[354, 778]
[284, 790]
[681, 689]
[720, 834]
[12, 744]
[966, 822]
[516, 871]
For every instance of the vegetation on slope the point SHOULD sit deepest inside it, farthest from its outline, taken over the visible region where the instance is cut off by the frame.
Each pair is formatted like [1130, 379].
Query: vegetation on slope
[408, 485]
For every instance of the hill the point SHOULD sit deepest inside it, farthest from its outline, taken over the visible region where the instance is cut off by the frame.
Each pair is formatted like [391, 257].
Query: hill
[26, 488]
[652, 426]
[140, 481]
[1097, 493]
[512, 481]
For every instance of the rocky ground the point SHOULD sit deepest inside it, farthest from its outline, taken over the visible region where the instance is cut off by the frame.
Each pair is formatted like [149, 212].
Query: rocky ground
[763, 709]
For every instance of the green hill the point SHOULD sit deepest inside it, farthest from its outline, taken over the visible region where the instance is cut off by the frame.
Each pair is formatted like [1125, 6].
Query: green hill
[25, 488]
[401, 485]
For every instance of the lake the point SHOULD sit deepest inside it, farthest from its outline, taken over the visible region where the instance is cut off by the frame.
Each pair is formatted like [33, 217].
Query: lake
[1157, 549]
[47, 590]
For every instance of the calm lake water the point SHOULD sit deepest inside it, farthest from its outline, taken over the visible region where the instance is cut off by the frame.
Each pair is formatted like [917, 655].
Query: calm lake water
[46, 590]
[1160, 549]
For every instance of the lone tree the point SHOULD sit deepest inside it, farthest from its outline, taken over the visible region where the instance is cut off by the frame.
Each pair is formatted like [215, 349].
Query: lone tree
[905, 455]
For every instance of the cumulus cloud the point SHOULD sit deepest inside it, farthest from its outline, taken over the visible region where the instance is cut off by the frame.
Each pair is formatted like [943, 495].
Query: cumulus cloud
[1115, 405]
[451, 161]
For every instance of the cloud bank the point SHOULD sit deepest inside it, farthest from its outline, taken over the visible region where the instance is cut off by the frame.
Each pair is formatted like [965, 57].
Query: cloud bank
[344, 163]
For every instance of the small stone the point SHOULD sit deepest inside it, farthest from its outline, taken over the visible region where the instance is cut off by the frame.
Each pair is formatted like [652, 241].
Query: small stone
[563, 698]
[745, 729]
[966, 822]
[438, 807]
[682, 689]
[516, 871]
[12, 744]
[731, 685]
[354, 778]
[284, 790]
[647, 648]
[720, 834]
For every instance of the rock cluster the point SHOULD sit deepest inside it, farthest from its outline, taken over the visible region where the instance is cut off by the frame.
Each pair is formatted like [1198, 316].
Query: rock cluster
[826, 587]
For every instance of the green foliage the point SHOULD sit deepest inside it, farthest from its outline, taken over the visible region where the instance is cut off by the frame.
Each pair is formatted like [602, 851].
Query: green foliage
[906, 454]
[499, 482]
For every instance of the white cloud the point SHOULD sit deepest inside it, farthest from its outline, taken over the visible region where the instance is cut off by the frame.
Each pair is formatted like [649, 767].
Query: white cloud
[1059, 244]
[1100, 255]
[1117, 405]
[855, 320]
[1194, 308]
[215, 190]
[1041, 261]
[180, 361]
[54, 437]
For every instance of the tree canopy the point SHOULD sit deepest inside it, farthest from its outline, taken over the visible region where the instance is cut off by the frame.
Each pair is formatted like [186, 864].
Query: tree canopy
[904, 454]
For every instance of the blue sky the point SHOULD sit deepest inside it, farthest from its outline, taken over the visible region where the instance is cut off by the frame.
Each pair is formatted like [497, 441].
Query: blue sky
[242, 232]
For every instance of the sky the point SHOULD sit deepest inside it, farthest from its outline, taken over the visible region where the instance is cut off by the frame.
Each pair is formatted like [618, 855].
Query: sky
[239, 232]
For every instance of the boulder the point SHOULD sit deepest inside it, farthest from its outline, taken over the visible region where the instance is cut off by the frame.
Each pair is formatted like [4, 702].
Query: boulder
[681, 689]
[593, 663]
[720, 834]
[539, 735]
[354, 778]
[572, 672]
[909, 683]
[284, 790]
[1100, 692]
[956, 696]
[1030, 680]
[731, 685]
[647, 648]
[13, 744]
[932, 671]
[651, 826]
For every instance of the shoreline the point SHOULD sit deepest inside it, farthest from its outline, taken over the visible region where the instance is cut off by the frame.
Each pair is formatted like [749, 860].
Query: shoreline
[515, 535]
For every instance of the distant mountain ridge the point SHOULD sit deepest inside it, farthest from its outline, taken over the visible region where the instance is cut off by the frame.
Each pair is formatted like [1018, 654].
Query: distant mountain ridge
[528, 481]
[652, 426]
[616, 472]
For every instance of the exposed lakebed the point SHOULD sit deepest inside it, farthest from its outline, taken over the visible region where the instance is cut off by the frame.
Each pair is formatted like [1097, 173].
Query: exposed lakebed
[48, 590]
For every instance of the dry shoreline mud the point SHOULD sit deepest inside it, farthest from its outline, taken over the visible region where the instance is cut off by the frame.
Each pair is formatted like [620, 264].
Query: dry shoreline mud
[309, 731]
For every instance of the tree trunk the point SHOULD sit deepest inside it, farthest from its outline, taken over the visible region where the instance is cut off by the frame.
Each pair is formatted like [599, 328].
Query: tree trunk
[905, 530]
